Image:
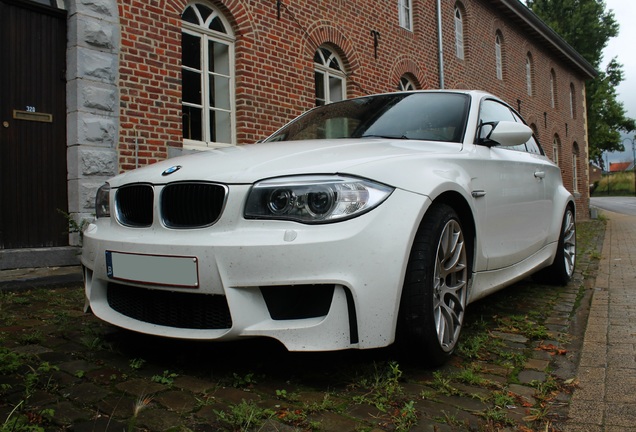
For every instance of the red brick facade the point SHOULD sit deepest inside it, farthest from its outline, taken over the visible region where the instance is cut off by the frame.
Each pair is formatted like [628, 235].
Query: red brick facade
[274, 67]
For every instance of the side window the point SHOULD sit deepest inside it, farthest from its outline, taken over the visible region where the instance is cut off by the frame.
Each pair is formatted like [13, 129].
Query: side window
[492, 111]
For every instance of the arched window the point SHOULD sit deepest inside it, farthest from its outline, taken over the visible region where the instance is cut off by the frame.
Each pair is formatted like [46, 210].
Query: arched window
[406, 84]
[572, 101]
[207, 76]
[459, 34]
[529, 74]
[575, 169]
[498, 56]
[552, 88]
[556, 149]
[329, 76]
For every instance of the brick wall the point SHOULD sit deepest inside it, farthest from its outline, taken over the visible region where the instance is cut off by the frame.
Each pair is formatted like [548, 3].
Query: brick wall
[274, 68]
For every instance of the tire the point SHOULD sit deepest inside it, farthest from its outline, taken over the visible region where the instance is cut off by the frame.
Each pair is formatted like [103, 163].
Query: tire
[562, 269]
[435, 291]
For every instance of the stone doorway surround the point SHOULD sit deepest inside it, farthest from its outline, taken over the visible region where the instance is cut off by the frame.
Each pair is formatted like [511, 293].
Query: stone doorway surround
[92, 110]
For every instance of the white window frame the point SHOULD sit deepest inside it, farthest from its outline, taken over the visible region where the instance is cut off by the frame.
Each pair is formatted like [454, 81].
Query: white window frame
[207, 35]
[405, 14]
[459, 34]
[498, 57]
[329, 73]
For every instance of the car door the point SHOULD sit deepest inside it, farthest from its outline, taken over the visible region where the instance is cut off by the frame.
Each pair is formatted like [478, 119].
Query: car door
[510, 196]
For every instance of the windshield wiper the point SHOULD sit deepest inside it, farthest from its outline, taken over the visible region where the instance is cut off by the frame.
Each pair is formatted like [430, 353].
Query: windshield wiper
[404, 137]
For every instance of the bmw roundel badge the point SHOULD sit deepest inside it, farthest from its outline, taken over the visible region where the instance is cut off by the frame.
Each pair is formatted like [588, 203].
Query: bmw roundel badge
[171, 170]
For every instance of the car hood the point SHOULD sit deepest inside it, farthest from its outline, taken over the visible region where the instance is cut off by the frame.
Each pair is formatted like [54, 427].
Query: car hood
[247, 164]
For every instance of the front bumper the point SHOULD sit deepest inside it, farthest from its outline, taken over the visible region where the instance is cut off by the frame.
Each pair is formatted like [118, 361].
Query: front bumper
[268, 276]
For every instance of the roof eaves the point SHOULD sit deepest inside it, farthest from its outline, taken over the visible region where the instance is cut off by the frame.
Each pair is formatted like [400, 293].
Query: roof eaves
[541, 29]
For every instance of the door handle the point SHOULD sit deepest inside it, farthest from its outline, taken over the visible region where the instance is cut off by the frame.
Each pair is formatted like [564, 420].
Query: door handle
[539, 174]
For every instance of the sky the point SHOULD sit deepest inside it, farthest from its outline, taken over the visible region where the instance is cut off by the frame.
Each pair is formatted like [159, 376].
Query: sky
[622, 47]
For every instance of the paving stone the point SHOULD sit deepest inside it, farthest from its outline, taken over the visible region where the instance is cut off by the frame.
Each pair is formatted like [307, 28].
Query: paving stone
[101, 424]
[179, 401]
[525, 393]
[473, 391]
[140, 387]
[75, 366]
[536, 364]
[117, 405]
[364, 412]
[32, 350]
[494, 369]
[333, 422]
[66, 413]
[158, 419]
[104, 375]
[88, 393]
[528, 376]
[194, 384]
[464, 403]
[232, 395]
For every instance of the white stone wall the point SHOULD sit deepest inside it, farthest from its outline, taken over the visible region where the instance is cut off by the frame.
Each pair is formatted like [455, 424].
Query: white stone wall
[92, 102]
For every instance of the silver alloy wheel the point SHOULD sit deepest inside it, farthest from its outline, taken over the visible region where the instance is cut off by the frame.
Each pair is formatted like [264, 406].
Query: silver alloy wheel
[450, 285]
[569, 242]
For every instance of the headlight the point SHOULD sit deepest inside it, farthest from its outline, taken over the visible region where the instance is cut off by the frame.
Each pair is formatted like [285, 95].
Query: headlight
[102, 201]
[314, 199]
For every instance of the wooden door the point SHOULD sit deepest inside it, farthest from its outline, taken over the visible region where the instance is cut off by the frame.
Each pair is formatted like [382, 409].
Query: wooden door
[33, 171]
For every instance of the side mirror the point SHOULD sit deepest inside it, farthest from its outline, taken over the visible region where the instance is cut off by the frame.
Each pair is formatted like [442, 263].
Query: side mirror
[505, 133]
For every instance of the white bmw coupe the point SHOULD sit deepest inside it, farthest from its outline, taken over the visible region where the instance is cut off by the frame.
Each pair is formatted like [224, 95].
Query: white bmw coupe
[361, 223]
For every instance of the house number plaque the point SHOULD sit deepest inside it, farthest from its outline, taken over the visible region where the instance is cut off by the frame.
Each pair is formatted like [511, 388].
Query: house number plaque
[32, 116]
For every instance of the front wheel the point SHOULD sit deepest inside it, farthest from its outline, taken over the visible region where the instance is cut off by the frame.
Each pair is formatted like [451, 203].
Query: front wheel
[562, 269]
[435, 289]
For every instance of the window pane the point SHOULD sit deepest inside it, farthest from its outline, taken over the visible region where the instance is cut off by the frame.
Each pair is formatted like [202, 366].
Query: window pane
[190, 15]
[191, 83]
[333, 63]
[220, 126]
[335, 89]
[319, 78]
[205, 11]
[219, 58]
[217, 25]
[191, 51]
[192, 123]
[219, 92]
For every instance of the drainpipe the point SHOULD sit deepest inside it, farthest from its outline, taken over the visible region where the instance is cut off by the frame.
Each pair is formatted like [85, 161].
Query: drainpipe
[440, 47]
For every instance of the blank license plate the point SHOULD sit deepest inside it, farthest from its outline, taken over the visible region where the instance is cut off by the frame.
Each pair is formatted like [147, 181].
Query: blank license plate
[153, 269]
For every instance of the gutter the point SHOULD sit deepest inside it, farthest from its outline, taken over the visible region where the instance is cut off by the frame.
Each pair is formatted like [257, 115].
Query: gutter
[440, 45]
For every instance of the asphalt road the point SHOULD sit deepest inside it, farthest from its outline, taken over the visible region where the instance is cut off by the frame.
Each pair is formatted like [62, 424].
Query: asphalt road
[623, 205]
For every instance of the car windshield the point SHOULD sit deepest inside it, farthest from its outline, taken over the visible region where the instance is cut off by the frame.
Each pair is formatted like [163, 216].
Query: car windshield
[415, 116]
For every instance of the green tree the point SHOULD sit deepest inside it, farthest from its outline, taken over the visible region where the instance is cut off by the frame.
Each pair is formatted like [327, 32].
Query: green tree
[588, 27]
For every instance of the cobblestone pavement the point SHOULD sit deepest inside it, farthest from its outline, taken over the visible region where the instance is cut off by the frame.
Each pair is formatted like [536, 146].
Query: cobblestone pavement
[516, 367]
